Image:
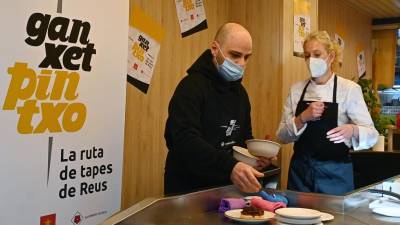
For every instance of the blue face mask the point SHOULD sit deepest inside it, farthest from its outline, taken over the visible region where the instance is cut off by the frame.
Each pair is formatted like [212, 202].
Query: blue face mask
[229, 70]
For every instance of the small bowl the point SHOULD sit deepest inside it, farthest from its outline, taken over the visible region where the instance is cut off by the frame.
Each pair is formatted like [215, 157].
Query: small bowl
[265, 148]
[243, 155]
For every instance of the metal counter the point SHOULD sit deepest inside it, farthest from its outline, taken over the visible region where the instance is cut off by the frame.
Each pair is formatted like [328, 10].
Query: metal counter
[200, 208]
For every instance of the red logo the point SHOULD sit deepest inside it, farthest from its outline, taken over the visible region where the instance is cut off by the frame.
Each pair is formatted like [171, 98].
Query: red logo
[135, 66]
[77, 218]
[48, 219]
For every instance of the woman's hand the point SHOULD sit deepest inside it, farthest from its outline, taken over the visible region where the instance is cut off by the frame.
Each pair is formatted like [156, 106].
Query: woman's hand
[313, 112]
[342, 133]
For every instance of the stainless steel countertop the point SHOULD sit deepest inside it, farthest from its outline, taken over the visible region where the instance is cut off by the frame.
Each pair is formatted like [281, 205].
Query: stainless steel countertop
[200, 208]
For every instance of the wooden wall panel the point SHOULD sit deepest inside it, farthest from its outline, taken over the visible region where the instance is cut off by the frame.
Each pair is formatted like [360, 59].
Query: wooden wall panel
[354, 26]
[384, 56]
[262, 79]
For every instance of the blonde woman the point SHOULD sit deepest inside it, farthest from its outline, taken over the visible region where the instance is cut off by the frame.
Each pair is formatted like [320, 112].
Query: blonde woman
[325, 116]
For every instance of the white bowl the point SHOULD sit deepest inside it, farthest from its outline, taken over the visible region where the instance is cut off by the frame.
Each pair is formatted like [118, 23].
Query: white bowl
[265, 148]
[243, 155]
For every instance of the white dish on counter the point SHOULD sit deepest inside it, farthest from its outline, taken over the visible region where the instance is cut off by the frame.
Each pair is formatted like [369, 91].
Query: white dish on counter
[234, 214]
[298, 221]
[282, 223]
[326, 216]
[387, 211]
[386, 206]
[298, 213]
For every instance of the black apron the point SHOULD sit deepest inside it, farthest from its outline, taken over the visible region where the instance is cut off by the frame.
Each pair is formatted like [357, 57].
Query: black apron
[318, 165]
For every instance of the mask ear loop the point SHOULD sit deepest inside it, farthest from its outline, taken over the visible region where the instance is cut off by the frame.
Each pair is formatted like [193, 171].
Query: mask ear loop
[330, 63]
[220, 50]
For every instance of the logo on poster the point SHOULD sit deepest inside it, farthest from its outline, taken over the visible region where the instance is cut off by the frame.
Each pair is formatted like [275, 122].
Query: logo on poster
[77, 218]
[46, 101]
[48, 219]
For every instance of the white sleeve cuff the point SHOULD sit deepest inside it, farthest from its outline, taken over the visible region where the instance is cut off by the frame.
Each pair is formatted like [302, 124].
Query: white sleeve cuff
[366, 138]
[298, 132]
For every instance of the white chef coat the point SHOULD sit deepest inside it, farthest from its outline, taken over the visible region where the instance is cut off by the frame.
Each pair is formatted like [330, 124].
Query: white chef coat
[351, 109]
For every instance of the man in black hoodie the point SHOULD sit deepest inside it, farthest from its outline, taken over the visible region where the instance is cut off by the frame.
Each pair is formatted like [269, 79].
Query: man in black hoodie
[208, 114]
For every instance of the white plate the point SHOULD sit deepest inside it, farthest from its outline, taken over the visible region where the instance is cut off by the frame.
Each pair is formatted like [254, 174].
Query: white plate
[387, 211]
[326, 216]
[298, 221]
[234, 214]
[298, 213]
[282, 223]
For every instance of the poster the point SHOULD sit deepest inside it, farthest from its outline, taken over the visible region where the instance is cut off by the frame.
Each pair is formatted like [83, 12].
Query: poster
[301, 25]
[145, 36]
[361, 63]
[340, 41]
[62, 134]
[191, 16]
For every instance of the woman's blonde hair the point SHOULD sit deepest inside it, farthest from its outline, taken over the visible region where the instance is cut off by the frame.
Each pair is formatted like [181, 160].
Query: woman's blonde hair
[330, 46]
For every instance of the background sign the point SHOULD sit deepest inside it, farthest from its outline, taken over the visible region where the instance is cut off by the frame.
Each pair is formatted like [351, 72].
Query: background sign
[62, 105]
[361, 64]
[301, 25]
[191, 16]
[145, 36]
[340, 41]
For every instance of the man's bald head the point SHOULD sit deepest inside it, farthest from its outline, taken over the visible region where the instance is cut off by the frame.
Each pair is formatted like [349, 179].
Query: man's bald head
[226, 31]
[232, 41]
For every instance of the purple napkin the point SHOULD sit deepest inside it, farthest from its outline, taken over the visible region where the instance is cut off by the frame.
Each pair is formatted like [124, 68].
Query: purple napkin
[231, 203]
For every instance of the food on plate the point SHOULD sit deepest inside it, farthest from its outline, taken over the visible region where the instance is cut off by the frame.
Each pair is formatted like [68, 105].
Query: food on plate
[251, 212]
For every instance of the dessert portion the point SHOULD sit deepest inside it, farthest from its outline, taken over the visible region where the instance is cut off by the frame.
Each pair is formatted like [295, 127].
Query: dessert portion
[251, 212]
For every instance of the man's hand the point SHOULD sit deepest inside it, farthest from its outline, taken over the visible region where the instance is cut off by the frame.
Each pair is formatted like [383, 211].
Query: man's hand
[342, 133]
[245, 177]
[264, 162]
[313, 112]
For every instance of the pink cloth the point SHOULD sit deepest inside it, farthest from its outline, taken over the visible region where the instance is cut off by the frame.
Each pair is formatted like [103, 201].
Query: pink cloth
[267, 205]
[231, 203]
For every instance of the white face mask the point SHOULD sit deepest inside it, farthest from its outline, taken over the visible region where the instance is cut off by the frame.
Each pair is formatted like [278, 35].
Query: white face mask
[317, 67]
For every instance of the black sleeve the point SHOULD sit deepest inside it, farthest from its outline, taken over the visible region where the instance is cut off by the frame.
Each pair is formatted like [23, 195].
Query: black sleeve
[183, 135]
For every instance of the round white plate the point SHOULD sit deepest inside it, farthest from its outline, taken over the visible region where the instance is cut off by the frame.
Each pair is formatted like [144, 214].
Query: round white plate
[326, 216]
[282, 223]
[387, 211]
[297, 221]
[298, 213]
[234, 214]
